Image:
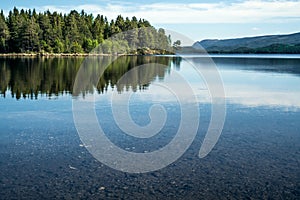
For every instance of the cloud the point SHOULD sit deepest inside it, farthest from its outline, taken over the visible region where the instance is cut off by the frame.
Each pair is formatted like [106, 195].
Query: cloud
[249, 11]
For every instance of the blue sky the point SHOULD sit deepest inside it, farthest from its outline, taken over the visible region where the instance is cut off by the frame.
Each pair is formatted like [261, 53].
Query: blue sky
[194, 18]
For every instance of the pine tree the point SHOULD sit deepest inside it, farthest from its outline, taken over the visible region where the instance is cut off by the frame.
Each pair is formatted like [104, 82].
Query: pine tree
[46, 33]
[4, 34]
[71, 31]
[29, 37]
[98, 29]
[14, 24]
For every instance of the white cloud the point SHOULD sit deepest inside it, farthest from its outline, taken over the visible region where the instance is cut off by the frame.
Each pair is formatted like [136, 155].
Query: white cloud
[249, 11]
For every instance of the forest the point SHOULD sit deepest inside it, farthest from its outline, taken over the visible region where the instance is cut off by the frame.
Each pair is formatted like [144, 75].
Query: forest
[26, 31]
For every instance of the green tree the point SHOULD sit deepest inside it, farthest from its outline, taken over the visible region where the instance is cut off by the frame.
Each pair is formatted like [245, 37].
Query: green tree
[84, 24]
[4, 34]
[14, 24]
[57, 23]
[89, 44]
[98, 29]
[58, 46]
[107, 46]
[28, 31]
[71, 31]
[177, 43]
[29, 38]
[143, 37]
[162, 39]
[120, 23]
[76, 48]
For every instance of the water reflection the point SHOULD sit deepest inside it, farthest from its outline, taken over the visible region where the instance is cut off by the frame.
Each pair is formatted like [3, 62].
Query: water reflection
[271, 65]
[28, 77]
[247, 81]
[272, 82]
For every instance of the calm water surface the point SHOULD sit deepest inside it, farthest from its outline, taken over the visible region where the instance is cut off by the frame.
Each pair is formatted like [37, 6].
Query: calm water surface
[256, 157]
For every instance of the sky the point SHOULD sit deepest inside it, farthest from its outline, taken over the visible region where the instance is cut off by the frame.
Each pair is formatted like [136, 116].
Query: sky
[196, 19]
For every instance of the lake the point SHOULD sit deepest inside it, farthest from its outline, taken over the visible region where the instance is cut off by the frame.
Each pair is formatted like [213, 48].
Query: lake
[43, 155]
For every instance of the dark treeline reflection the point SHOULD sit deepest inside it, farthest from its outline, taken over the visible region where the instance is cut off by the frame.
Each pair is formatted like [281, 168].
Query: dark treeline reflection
[30, 77]
[272, 65]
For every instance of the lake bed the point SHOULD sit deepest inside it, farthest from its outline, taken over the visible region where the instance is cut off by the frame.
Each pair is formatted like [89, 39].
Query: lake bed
[257, 155]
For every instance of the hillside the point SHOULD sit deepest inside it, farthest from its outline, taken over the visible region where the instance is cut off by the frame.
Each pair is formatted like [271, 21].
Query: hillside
[260, 44]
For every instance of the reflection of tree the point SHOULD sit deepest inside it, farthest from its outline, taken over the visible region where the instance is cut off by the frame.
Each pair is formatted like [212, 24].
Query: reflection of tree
[134, 79]
[4, 77]
[28, 77]
[176, 62]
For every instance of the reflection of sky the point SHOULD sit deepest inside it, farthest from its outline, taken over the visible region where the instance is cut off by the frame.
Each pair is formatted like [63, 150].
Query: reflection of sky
[261, 89]
[244, 84]
[245, 87]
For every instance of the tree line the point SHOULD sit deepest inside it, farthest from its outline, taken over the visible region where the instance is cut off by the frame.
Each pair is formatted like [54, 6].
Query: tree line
[26, 31]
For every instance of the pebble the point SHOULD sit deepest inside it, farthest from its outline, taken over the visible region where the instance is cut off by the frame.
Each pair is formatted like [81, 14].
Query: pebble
[102, 188]
[72, 167]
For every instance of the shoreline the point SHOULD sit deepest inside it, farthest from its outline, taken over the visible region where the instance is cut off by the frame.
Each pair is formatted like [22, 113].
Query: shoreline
[56, 54]
[213, 55]
[137, 53]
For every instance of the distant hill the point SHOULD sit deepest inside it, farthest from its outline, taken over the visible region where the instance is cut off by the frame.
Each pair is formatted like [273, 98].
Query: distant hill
[260, 44]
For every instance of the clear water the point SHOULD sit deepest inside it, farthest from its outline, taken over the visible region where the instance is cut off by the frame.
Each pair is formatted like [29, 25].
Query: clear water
[257, 155]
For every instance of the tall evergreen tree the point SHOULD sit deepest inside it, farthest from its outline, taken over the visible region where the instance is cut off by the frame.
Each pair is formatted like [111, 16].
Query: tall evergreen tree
[4, 34]
[98, 29]
[29, 38]
[71, 30]
[14, 24]
[46, 33]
